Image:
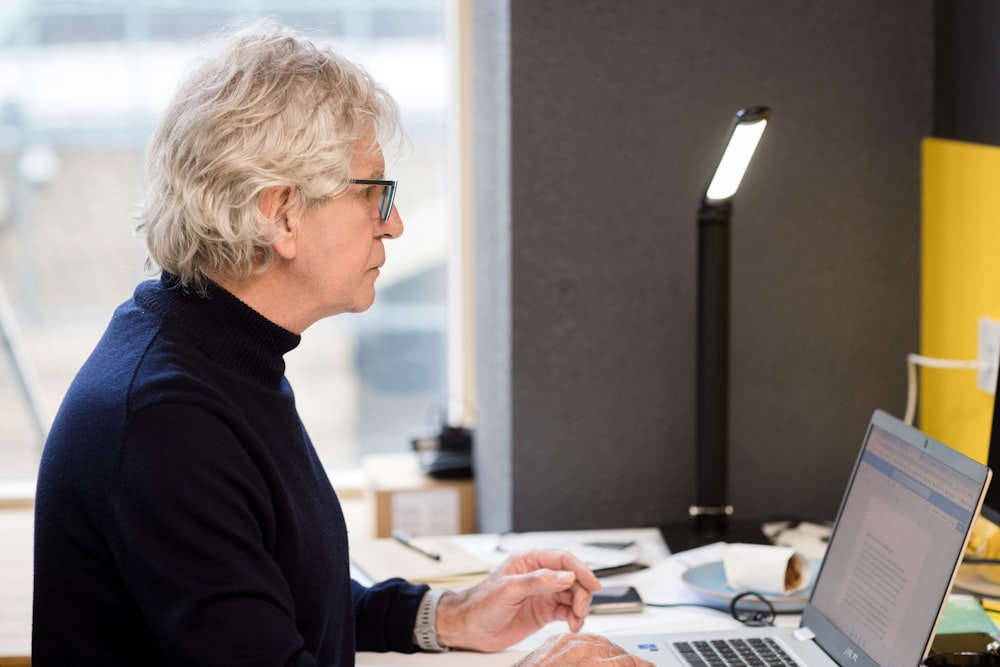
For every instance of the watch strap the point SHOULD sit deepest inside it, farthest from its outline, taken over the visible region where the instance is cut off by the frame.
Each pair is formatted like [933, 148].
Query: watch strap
[424, 630]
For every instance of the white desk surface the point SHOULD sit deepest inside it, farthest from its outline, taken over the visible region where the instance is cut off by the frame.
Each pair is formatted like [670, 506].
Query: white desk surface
[660, 583]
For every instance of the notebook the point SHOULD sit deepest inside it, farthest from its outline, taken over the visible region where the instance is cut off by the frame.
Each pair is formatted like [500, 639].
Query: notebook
[899, 537]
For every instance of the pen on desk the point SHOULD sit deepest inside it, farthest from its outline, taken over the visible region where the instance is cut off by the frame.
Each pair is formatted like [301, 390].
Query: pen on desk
[408, 541]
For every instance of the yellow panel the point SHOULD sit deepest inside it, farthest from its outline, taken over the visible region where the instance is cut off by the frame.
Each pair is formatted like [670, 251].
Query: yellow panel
[960, 282]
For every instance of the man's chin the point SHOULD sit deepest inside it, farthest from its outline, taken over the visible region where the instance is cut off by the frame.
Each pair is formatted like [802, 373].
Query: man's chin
[363, 304]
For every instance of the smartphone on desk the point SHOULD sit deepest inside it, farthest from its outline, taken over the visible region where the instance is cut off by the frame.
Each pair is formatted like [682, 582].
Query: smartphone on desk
[616, 600]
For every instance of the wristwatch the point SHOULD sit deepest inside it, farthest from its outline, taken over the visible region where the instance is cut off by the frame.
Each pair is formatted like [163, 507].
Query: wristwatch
[424, 631]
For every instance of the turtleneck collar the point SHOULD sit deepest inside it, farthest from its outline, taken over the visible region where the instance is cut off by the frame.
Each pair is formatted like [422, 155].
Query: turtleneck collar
[223, 327]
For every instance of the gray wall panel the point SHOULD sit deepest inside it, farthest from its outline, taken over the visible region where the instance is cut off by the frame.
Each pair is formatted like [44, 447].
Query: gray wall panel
[617, 113]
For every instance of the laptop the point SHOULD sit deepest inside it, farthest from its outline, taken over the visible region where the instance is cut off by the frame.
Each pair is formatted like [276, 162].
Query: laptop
[892, 558]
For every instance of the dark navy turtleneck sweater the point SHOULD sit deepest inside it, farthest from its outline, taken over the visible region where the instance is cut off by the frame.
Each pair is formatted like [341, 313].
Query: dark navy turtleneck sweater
[182, 515]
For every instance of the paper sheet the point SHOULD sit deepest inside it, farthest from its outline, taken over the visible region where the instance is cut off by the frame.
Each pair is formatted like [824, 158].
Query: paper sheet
[385, 558]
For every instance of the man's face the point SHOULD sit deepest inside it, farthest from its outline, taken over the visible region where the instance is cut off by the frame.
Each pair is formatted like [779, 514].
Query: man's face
[341, 243]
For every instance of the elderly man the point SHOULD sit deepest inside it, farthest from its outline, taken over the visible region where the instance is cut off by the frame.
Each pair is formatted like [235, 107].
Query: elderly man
[183, 517]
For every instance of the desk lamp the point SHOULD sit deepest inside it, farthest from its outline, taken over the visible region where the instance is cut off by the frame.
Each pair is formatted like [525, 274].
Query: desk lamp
[711, 510]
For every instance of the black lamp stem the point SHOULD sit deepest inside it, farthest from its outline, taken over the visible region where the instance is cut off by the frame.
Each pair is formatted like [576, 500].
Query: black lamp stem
[711, 508]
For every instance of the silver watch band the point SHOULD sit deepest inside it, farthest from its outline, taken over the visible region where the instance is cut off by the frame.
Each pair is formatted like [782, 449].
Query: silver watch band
[424, 631]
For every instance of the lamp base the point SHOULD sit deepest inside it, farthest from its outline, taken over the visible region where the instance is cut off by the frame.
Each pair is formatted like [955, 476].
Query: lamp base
[699, 531]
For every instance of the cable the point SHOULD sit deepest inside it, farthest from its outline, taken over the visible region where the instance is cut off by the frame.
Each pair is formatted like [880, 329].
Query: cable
[913, 360]
[753, 617]
[749, 616]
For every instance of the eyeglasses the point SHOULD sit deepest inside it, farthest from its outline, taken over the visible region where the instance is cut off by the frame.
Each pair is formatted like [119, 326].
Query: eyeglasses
[385, 197]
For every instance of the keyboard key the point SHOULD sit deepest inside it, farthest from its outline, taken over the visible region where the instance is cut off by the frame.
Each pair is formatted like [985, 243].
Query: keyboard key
[756, 652]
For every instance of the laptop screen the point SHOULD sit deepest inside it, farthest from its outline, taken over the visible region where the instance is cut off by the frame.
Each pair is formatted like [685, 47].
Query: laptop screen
[900, 534]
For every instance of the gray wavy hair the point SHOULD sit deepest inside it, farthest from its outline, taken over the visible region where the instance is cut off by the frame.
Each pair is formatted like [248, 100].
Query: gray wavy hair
[268, 107]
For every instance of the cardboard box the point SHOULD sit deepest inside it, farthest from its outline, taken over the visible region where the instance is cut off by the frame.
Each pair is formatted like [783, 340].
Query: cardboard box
[405, 498]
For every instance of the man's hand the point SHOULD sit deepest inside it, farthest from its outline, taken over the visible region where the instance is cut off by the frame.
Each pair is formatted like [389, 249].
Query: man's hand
[525, 593]
[579, 650]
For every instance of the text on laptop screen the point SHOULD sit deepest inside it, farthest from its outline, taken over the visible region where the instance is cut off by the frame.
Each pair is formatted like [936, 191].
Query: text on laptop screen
[898, 538]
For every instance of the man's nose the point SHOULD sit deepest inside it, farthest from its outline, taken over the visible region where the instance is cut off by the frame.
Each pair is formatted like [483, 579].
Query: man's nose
[393, 227]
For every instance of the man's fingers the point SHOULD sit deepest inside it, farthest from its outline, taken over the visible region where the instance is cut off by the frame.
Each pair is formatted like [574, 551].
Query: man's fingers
[581, 649]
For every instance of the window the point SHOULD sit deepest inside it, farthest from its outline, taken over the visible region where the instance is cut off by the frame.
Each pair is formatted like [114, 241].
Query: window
[81, 87]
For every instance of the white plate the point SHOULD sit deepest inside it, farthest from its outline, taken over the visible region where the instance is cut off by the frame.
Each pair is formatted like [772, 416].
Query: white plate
[710, 579]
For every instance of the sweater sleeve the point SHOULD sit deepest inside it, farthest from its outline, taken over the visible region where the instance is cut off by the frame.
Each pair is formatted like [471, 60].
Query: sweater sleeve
[192, 531]
[385, 615]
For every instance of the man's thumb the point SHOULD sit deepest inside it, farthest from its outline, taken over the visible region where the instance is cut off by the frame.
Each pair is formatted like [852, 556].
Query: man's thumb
[539, 582]
[553, 580]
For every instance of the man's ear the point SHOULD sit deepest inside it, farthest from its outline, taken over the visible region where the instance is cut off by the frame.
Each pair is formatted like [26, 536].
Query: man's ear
[276, 206]
[274, 201]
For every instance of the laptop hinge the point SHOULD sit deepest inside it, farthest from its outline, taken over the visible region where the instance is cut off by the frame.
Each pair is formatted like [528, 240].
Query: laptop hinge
[804, 634]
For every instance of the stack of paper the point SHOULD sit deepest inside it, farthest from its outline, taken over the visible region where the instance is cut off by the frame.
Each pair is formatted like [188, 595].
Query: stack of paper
[386, 558]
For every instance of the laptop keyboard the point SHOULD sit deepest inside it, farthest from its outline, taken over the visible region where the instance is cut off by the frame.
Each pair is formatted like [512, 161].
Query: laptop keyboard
[762, 652]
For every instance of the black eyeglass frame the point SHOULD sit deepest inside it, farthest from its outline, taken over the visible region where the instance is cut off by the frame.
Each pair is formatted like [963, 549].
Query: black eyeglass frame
[385, 199]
